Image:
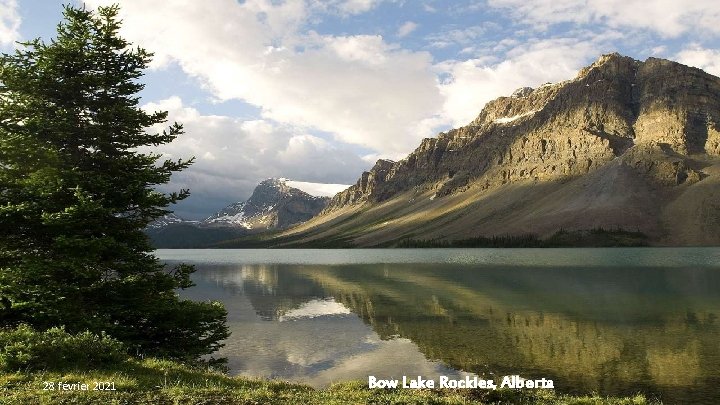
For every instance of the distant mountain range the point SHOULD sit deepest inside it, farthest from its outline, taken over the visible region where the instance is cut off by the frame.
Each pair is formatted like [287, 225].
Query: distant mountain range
[626, 153]
[273, 205]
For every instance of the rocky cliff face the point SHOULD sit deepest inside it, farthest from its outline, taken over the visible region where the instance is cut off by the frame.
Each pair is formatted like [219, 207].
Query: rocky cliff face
[272, 205]
[617, 107]
[630, 133]
[367, 187]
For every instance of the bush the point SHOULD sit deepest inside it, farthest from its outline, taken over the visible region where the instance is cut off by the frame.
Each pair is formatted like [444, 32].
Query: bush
[24, 348]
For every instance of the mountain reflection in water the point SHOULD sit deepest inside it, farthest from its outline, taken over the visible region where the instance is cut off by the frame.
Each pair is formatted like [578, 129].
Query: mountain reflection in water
[615, 329]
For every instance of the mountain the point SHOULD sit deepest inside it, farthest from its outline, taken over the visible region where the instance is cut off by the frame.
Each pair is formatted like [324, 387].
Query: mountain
[626, 145]
[273, 205]
[167, 220]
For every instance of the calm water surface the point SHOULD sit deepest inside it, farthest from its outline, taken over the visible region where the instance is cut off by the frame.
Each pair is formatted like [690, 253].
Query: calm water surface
[613, 321]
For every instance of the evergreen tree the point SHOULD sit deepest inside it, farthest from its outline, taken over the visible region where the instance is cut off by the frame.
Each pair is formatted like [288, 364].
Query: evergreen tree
[76, 194]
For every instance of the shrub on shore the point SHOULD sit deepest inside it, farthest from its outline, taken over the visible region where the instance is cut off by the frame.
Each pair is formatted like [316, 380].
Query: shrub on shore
[25, 349]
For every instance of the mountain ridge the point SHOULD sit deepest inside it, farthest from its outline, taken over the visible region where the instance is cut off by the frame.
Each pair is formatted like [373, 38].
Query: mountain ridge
[519, 111]
[622, 145]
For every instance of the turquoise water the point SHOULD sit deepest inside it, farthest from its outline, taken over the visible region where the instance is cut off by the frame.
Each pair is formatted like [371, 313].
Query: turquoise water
[613, 321]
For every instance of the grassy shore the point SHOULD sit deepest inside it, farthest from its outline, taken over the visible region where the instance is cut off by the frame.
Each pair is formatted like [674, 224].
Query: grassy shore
[163, 382]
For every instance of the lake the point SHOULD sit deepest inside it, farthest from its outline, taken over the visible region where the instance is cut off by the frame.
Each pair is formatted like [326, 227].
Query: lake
[614, 321]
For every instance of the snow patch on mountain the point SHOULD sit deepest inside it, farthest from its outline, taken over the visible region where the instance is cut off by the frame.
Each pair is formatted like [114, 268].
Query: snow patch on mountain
[169, 219]
[505, 120]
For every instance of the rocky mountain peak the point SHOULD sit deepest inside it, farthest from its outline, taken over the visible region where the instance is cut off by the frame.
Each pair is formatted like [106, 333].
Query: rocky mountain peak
[522, 92]
[650, 114]
[273, 204]
[610, 64]
[269, 192]
[366, 188]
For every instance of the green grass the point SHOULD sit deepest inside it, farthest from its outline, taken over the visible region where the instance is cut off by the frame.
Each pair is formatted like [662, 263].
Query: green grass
[153, 381]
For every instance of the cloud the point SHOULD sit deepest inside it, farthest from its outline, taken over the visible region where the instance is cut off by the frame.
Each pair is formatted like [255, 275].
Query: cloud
[356, 6]
[429, 8]
[318, 189]
[360, 88]
[669, 18]
[705, 59]
[345, 7]
[459, 36]
[470, 84]
[233, 156]
[406, 29]
[9, 22]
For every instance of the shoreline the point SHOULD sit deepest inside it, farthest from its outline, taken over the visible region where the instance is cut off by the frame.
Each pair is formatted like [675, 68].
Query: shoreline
[153, 381]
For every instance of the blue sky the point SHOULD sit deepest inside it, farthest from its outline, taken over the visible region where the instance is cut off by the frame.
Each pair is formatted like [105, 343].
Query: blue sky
[316, 91]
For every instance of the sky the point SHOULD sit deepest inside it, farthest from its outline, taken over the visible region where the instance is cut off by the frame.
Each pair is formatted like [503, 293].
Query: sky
[317, 91]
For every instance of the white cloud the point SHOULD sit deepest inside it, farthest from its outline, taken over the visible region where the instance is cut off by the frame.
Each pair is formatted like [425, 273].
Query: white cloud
[658, 50]
[669, 18]
[345, 7]
[357, 6]
[472, 83]
[318, 189]
[9, 22]
[705, 59]
[428, 8]
[360, 88]
[406, 29]
[233, 156]
[458, 36]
